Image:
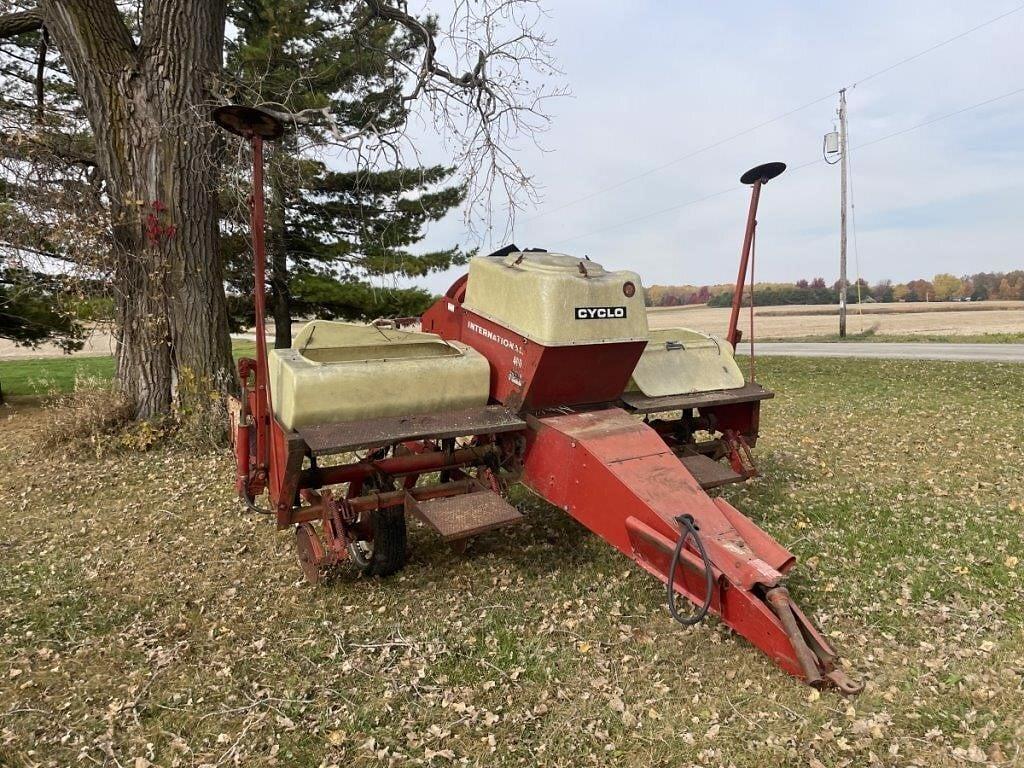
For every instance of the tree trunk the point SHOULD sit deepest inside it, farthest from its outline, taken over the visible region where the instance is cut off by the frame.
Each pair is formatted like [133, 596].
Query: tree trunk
[148, 105]
[280, 295]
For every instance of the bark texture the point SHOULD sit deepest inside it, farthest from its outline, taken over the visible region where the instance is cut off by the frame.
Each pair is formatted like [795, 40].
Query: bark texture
[12, 24]
[148, 103]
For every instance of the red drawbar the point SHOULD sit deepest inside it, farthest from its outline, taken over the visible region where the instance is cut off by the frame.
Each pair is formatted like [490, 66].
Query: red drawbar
[617, 477]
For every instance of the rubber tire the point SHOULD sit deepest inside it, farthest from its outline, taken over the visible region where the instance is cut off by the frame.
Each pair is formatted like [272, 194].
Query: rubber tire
[389, 535]
[388, 542]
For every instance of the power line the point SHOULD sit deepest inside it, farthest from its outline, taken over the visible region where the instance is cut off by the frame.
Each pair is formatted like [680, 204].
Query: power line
[680, 159]
[939, 118]
[775, 119]
[648, 215]
[792, 169]
[937, 46]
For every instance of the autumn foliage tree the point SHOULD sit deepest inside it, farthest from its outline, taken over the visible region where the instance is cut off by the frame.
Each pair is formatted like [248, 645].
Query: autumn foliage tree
[947, 286]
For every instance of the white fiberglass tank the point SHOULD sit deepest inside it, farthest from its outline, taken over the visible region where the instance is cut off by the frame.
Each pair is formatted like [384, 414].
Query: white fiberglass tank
[556, 300]
[338, 372]
[678, 361]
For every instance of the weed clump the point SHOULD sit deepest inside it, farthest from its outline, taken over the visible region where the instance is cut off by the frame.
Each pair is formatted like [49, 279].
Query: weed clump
[85, 419]
[200, 416]
[96, 417]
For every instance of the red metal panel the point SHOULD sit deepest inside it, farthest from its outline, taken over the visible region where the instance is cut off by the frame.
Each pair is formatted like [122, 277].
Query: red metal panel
[741, 609]
[773, 553]
[580, 374]
[445, 316]
[512, 356]
[283, 474]
[741, 417]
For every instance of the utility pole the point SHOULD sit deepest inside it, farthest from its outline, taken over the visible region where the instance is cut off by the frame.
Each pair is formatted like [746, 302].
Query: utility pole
[842, 215]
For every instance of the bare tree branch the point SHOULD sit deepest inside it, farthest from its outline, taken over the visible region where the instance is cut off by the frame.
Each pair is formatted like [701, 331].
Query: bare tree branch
[479, 83]
[491, 94]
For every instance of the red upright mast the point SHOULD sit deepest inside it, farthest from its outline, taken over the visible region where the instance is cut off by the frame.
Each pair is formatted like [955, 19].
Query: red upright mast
[758, 176]
[255, 125]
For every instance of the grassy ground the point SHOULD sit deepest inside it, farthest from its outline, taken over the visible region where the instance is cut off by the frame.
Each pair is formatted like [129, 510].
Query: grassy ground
[913, 338]
[53, 374]
[145, 617]
[38, 376]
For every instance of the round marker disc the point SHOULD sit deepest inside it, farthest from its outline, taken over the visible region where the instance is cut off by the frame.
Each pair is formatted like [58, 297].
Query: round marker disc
[248, 121]
[763, 173]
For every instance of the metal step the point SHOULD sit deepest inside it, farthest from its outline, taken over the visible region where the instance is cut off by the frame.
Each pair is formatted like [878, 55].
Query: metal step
[710, 473]
[464, 515]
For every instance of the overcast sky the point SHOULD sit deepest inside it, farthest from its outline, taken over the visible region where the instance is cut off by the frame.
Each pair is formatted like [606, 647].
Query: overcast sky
[654, 81]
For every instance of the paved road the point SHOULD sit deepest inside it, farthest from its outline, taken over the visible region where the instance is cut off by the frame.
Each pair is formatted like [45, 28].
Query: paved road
[1002, 353]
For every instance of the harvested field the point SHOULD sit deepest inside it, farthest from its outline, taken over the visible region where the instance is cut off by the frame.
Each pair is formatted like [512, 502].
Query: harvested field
[941, 320]
[945, 320]
[145, 618]
[99, 342]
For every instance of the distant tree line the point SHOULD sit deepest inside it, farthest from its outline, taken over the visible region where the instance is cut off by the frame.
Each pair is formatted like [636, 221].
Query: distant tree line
[943, 287]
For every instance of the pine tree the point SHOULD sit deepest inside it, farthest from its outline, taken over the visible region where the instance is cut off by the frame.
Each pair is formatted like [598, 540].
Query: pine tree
[113, 166]
[332, 234]
[49, 197]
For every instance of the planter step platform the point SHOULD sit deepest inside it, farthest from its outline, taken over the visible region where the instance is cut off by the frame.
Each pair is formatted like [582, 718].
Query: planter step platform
[710, 473]
[457, 518]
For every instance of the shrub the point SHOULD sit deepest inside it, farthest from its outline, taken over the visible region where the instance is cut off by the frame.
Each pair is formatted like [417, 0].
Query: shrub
[96, 417]
[89, 418]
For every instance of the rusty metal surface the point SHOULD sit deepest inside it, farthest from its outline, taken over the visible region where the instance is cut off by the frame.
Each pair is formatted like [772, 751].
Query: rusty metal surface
[248, 121]
[404, 465]
[778, 599]
[379, 500]
[336, 438]
[710, 473]
[638, 403]
[310, 552]
[762, 173]
[468, 514]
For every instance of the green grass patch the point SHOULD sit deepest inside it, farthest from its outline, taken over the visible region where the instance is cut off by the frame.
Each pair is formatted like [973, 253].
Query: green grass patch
[57, 375]
[40, 376]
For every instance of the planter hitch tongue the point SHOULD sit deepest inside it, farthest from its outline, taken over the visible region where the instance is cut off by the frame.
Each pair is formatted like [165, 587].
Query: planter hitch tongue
[819, 664]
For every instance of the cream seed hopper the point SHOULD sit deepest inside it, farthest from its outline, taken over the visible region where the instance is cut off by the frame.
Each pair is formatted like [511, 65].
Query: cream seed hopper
[535, 368]
[332, 374]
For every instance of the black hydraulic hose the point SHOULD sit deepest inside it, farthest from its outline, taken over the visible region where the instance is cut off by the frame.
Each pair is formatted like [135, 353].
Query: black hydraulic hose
[690, 531]
[251, 504]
